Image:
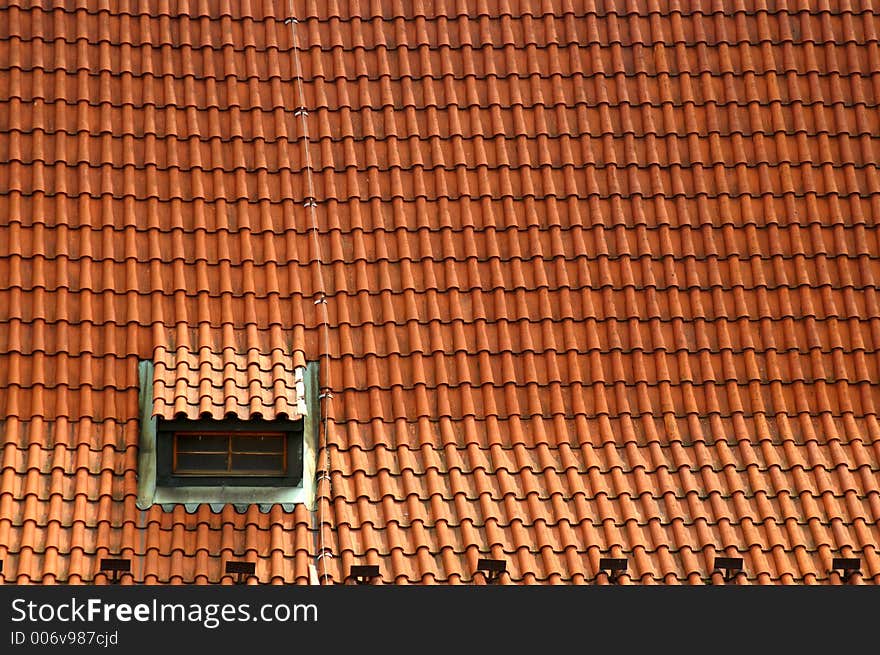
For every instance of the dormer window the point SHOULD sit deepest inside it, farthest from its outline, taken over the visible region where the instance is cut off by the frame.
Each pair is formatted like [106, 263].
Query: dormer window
[229, 453]
[218, 439]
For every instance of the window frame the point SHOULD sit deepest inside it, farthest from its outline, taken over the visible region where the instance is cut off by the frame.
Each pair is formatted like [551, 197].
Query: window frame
[167, 432]
[230, 452]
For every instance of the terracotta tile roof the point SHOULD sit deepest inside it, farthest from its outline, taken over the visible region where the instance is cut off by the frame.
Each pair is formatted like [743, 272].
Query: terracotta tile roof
[600, 280]
[220, 380]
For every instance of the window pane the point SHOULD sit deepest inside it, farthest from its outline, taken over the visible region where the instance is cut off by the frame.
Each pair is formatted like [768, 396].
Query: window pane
[202, 443]
[200, 463]
[258, 444]
[258, 463]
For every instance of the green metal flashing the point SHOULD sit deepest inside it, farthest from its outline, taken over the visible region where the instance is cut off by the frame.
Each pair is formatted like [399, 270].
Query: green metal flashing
[149, 494]
[146, 473]
[311, 430]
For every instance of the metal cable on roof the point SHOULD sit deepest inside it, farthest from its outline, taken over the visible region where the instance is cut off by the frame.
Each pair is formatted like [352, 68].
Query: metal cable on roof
[310, 203]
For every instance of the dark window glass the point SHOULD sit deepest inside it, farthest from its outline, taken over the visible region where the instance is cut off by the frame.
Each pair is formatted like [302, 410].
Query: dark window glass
[258, 444]
[258, 464]
[202, 443]
[200, 463]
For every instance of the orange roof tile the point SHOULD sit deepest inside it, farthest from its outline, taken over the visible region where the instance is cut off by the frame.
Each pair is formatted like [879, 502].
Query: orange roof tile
[600, 281]
[219, 381]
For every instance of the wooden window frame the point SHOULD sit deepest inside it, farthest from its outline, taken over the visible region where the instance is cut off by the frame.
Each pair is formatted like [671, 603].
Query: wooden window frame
[230, 453]
[290, 432]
